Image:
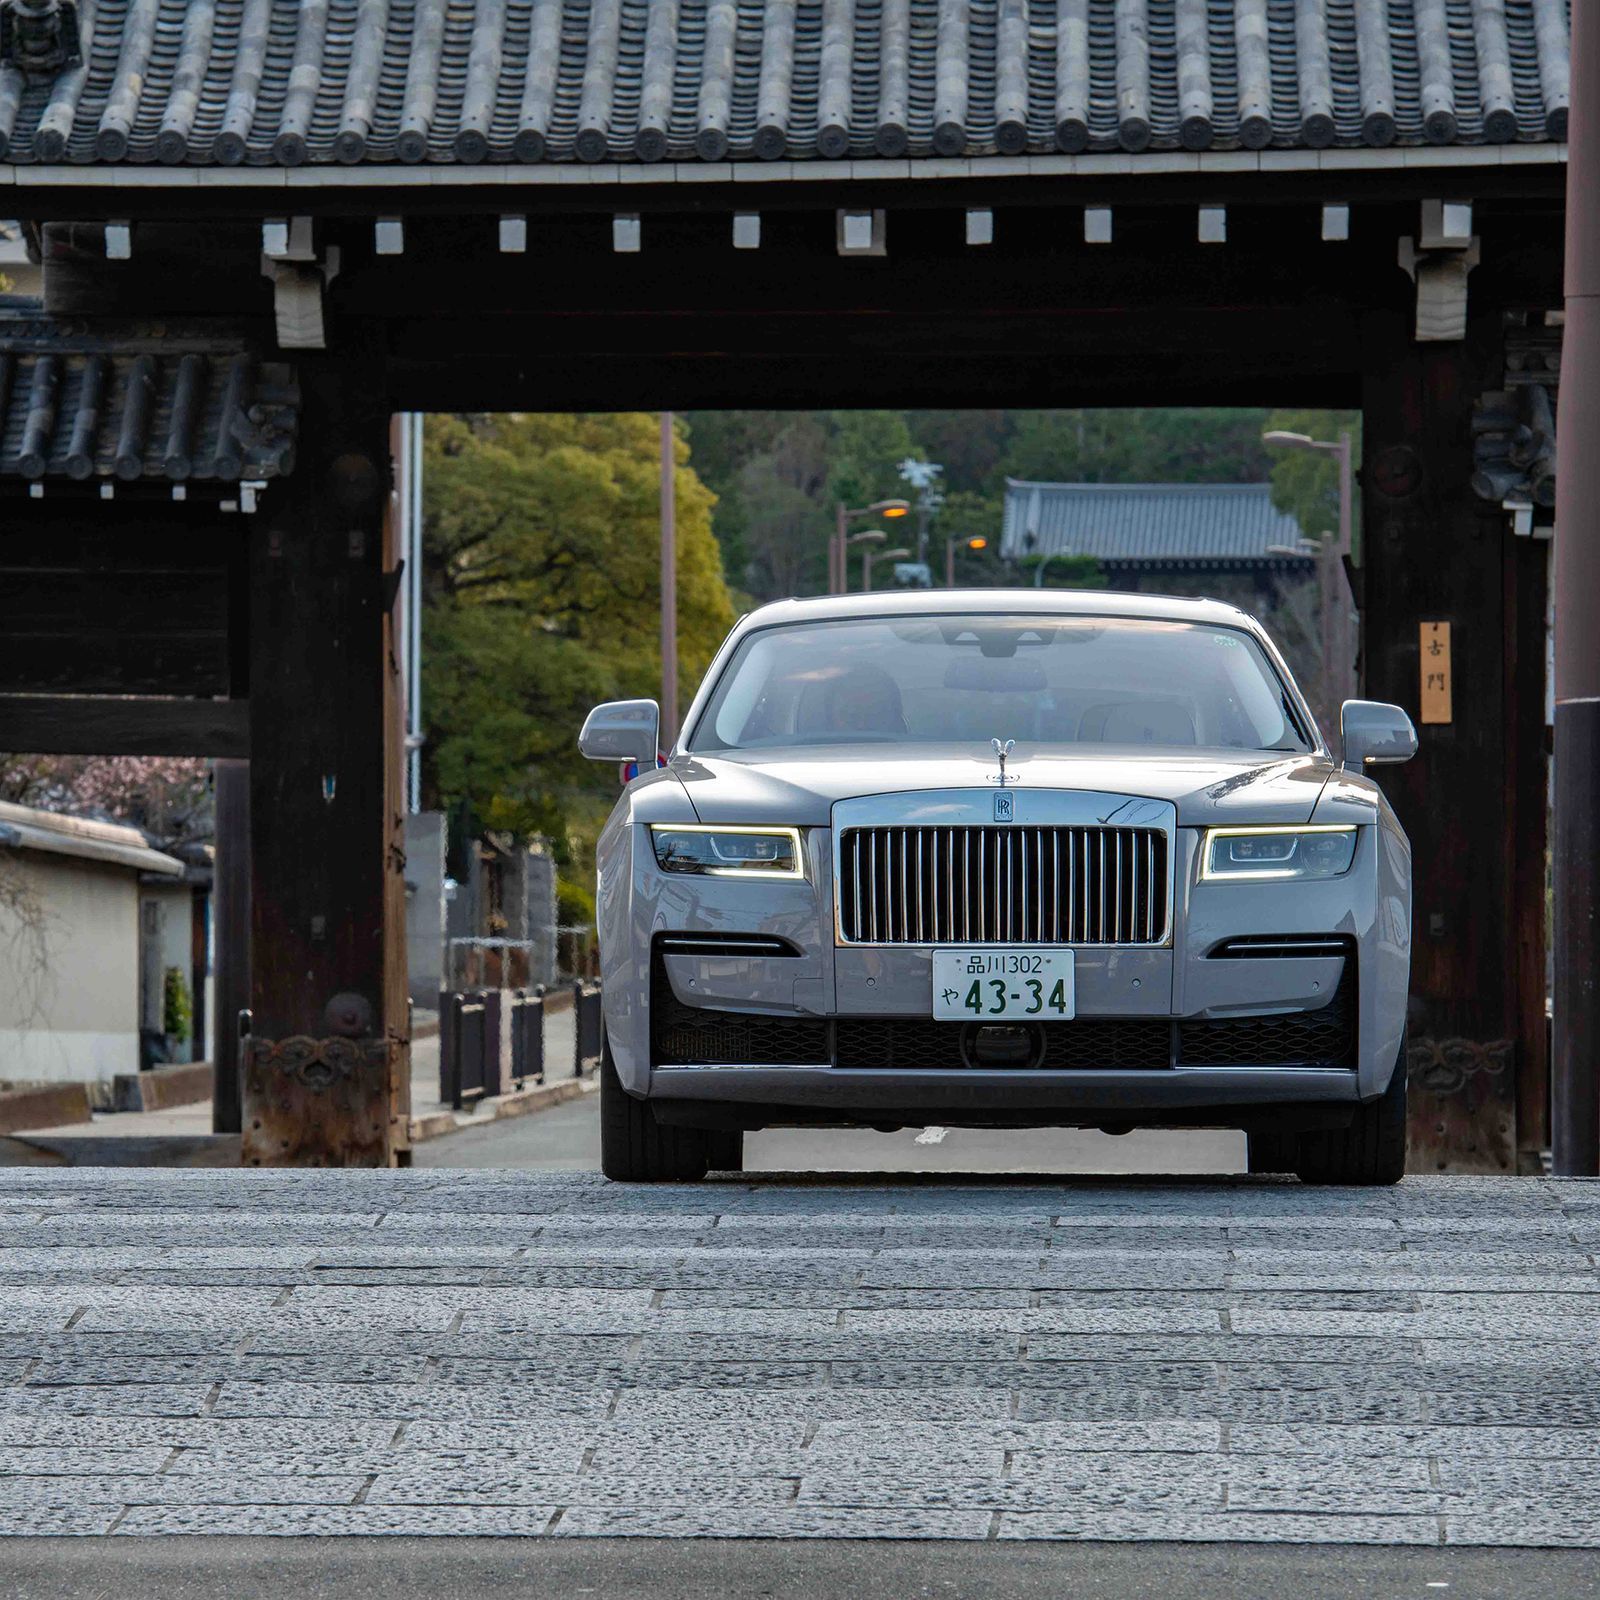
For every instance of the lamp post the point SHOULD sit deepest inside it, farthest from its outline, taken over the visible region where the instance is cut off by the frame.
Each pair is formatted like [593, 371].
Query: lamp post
[1337, 678]
[669, 584]
[974, 545]
[838, 545]
[867, 537]
[883, 555]
[1044, 562]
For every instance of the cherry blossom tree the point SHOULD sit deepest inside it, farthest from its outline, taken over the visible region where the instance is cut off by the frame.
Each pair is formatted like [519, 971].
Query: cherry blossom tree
[167, 797]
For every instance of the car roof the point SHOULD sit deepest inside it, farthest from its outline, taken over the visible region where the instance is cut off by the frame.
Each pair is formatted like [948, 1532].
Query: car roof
[1050, 602]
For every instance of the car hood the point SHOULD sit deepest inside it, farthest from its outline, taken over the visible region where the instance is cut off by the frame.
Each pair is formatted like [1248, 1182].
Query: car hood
[800, 787]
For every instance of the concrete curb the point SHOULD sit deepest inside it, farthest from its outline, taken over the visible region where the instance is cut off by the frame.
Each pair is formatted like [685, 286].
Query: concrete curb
[520, 1103]
[162, 1087]
[153, 1150]
[45, 1105]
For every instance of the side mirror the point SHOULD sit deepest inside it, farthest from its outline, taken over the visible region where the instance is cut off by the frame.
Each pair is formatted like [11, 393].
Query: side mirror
[622, 730]
[1375, 732]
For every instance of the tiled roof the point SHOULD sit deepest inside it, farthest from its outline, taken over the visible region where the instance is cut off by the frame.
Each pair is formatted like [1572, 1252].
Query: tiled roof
[1161, 523]
[161, 407]
[284, 82]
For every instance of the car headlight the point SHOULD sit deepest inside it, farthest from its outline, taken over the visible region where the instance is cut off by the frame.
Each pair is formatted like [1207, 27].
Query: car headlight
[729, 852]
[1252, 854]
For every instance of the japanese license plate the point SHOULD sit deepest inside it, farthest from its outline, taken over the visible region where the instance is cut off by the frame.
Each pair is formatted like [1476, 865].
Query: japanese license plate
[1003, 983]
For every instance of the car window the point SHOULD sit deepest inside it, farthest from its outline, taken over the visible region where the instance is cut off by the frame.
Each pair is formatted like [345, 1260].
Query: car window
[1039, 680]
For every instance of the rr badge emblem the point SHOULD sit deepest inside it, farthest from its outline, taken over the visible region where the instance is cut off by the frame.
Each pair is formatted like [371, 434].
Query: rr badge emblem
[1005, 807]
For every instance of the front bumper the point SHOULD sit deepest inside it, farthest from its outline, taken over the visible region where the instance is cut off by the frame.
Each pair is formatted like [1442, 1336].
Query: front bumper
[1179, 1097]
[1158, 1001]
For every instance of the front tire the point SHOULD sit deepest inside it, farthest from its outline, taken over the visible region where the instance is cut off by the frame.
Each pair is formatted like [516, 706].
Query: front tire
[634, 1147]
[1372, 1150]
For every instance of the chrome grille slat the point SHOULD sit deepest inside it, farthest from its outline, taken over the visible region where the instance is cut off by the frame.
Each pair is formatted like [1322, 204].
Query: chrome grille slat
[1055, 879]
[1059, 885]
[950, 882]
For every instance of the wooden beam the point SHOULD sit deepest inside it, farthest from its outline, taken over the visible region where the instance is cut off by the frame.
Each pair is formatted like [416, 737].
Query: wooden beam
[325, 1046]
[112, 725]
[1433, 551]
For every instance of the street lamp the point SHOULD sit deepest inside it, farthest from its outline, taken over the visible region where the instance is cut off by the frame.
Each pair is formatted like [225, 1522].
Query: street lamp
[838, 551]
[1044, 561]
[974, 545]
[1336, 674]
[867, 558]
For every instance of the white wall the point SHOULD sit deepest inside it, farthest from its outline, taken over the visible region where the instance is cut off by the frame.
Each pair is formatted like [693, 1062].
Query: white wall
[69, 1010]
[425, 907]
[170, 906]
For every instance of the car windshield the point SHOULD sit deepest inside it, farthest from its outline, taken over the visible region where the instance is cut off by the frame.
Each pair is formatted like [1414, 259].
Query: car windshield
[1050, 680]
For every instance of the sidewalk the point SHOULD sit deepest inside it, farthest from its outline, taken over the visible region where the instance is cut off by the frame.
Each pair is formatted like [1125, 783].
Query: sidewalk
[431, 1118]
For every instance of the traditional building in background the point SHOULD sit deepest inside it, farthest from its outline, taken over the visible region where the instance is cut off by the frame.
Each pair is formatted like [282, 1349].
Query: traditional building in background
[312, 216]
[79, 980]
[1143, 534]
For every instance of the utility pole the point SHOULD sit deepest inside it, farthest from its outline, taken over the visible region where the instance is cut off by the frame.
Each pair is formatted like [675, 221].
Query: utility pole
[669, 584]
[1338, 677]
[1575, 1091]
[1345, 680]
[231, 938]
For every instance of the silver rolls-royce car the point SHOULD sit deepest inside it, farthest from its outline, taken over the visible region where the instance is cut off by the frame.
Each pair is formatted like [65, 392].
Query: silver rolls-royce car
[1003, 858]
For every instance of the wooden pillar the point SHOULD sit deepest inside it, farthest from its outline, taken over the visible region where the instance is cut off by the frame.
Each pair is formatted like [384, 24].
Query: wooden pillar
[230, 938]
[1473, 801]
[328, 1061]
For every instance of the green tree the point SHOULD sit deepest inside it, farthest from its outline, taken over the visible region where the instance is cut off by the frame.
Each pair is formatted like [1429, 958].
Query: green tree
[542, 595]
[1167, 445]
[1305, 483]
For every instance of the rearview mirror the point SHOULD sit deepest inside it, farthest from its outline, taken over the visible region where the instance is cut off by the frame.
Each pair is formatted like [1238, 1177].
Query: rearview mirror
[622, 730]
[1374, 732]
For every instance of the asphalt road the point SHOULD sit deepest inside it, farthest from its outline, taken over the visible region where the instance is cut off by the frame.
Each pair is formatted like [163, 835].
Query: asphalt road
[567, 1139]
[655, 1569]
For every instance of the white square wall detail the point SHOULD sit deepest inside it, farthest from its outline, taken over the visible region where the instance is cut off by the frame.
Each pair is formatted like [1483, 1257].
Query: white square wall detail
[861, 233]
[625, 233]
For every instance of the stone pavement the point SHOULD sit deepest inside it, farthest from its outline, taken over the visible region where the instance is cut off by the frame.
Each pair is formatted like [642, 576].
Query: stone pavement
[545, 1353]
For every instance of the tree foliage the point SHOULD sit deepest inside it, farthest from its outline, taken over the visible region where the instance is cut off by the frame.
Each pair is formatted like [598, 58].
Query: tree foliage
[780, 475]
[1305, 483]
[542, 596]
[169, 798]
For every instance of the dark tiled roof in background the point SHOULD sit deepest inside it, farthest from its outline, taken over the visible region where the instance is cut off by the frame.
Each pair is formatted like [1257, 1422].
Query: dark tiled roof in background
[176, 411]
[290, 81]
[1147, 522]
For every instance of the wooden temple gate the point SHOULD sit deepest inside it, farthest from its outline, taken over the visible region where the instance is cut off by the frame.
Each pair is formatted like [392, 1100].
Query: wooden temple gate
[265, 228]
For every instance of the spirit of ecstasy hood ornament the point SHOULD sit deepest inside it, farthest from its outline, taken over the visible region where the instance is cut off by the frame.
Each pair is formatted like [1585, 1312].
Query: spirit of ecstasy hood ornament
[1003, 750]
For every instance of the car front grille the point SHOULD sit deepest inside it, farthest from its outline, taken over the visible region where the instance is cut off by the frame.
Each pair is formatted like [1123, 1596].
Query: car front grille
[921, 1044]
[701, 1036]
[683, 1035]
[1016, 885]
[1322, 1038]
